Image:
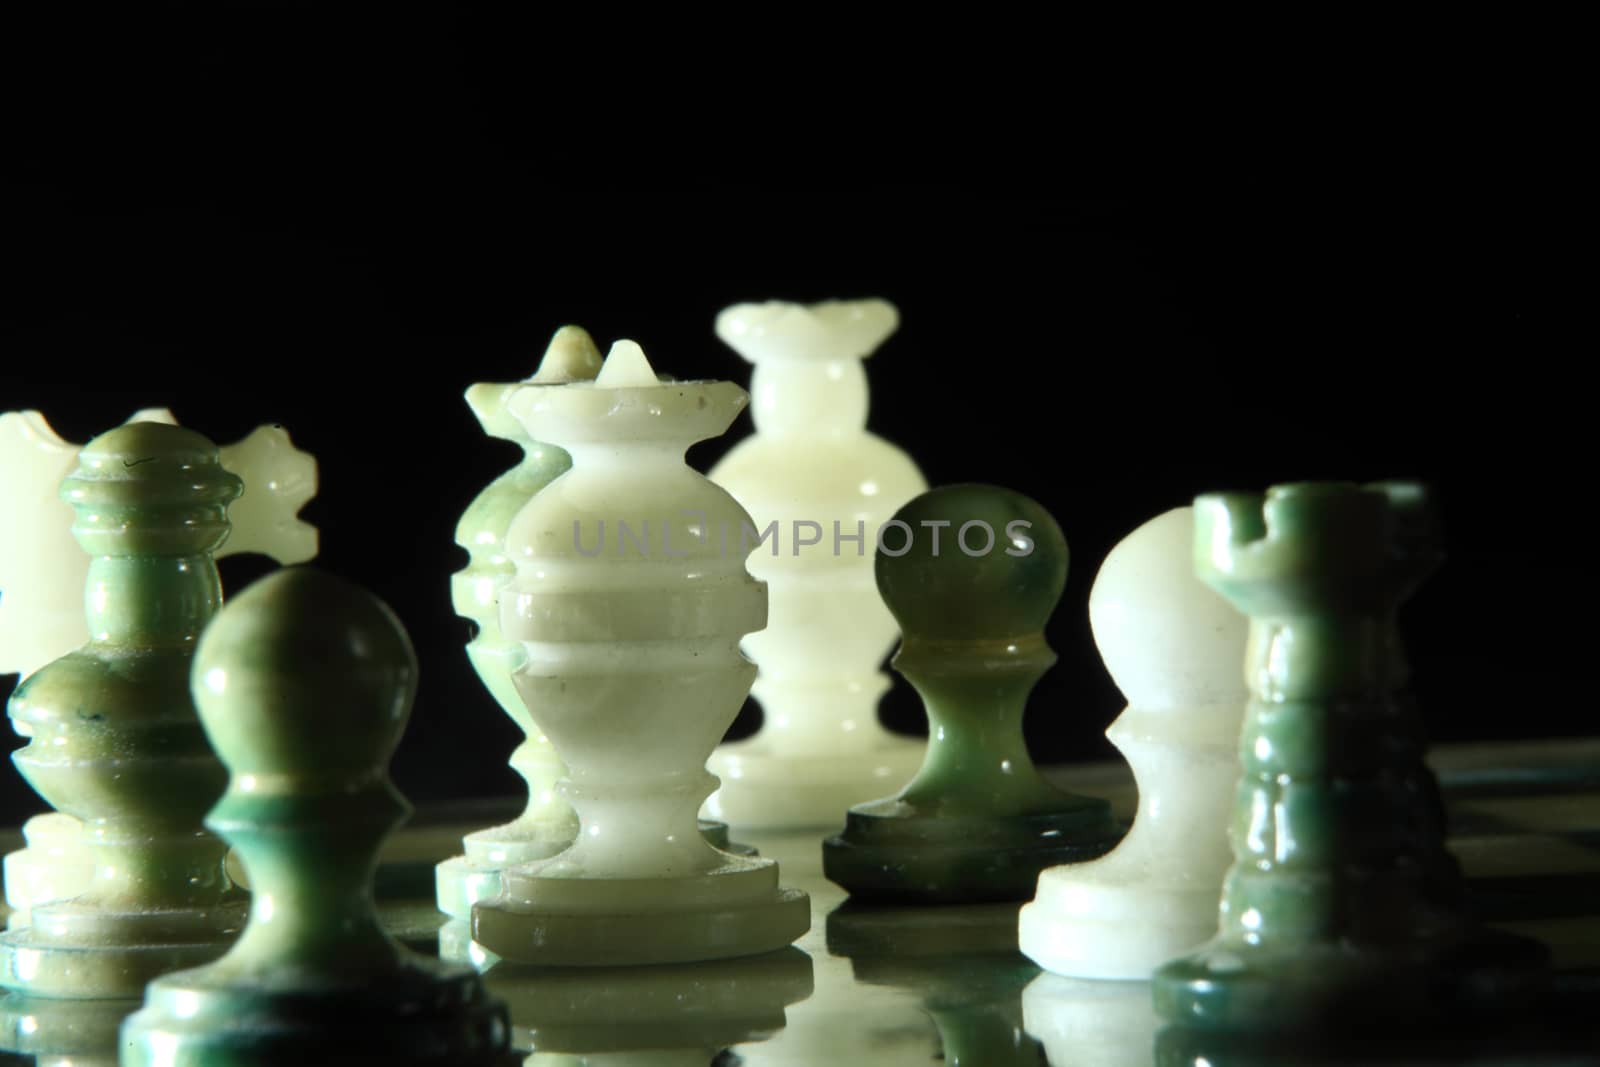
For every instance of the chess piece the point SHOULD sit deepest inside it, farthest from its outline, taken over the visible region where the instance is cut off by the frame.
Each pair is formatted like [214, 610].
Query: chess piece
[548, 824]
[42, 574]
[1174, 648]
[630, 602]
[1342, 910]
[666, 1016]
[304, 684]
[972, 573]
[113, 736]
[42, 570]
[820, 748]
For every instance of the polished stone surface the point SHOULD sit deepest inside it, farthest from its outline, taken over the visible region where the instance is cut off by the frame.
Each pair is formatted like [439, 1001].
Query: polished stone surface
[913, 986]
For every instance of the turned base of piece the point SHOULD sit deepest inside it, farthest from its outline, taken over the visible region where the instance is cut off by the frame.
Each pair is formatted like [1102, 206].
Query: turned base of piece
[767, 790]
[33, 962]
[68, 1030]
[931, 860]
[429, 1015]
[587, 922]
[1230, 987]
[1120, 932]
[460, 882]
[598, 1010]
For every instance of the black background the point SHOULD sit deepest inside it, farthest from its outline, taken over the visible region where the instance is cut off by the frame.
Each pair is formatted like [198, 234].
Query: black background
[339, 226]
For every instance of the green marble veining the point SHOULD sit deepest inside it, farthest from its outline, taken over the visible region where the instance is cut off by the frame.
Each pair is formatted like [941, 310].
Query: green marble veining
[971, 574]
[113, 736]
[1342, 910]
[304, 685]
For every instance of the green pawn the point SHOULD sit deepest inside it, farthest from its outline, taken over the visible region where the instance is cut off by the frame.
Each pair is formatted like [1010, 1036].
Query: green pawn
[1342, 911]
[971, 573]
[304, 685]
[113, 735]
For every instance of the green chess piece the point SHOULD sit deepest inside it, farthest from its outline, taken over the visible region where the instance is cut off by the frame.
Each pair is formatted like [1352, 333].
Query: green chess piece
[971, 573]
[1342, 911]
[304, 684]
[113, 736]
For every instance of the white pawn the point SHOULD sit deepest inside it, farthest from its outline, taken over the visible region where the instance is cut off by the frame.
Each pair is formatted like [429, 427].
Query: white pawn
[1175, 649]
[814, 470]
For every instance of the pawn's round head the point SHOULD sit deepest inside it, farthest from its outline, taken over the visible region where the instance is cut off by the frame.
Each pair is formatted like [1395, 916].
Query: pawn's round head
[971, 563]
[305, 674]
[1168, 639]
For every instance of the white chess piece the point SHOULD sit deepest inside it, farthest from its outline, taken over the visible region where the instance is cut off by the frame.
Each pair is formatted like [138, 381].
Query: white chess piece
[1175, 649]
[630, 603]
[814, 470]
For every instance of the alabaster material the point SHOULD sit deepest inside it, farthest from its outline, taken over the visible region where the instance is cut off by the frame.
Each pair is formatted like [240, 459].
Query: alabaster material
[630, 611]
[113, 736]
[1175, 649]
[814, 470]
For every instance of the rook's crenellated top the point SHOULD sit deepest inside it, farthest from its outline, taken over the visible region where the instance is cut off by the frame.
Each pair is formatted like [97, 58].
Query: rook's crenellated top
[1364, 546]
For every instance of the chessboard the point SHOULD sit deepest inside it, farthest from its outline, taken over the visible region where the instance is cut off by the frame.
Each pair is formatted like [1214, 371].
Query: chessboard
[925, 985]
